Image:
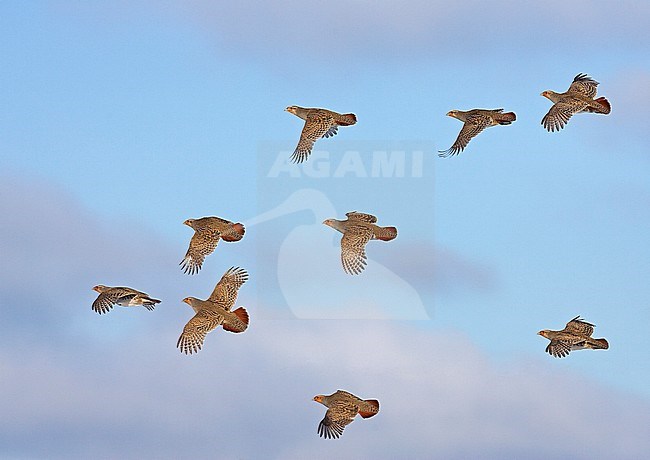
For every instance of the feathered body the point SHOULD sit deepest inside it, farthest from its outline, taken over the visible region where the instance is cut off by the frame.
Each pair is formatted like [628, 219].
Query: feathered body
[475, 121]
[578, 98]
[575, 336]
[342, 408]
[318, 123]
[357, 230]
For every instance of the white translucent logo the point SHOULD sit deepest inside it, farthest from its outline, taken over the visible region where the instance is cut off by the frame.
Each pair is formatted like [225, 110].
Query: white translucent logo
[309, 272]
[351, 163]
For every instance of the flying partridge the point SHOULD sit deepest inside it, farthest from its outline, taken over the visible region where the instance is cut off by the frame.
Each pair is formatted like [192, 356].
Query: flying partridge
[207, 232]
[578, 98]
[318, 123]
[358, 229]
[342, 407]
[215, 311]
[575, 336]
[475, 121]
[123, 296]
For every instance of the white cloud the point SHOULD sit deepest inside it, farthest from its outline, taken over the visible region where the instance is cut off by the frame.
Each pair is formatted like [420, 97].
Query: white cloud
[249, 395]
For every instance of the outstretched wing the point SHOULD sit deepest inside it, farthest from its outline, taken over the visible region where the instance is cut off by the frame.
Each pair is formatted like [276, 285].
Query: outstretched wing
[353, 248]
[584, 85]
[105, 301]
[225, 292]
[361, 216]
[579, 327]
[194, 332]
[336, 419]
[559, 114]
[202, 244]
[558, 348]
[317, 125]
[472, 127]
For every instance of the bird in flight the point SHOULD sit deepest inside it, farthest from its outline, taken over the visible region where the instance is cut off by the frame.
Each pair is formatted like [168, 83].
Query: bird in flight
[342, 407]
[318, 123]
[207, 233]
[575, 336]
[215, 311]
[122, 296]
[475, 121]
[578, 98]
[358, 229]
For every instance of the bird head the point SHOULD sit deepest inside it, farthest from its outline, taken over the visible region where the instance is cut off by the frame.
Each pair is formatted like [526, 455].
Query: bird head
[292, 109]
[544, 333]
[189, 300]
[453, 113]
[328, 222]
[547, 94]
[99, 288]
[318, 398]
[188, 222]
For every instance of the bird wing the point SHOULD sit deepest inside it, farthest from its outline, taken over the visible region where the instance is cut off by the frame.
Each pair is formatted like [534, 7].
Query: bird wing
[579, 327]
[584, 85]
[225, 292]
[333, 131]
[202, 244]
[194, 332]
[354, 215]
[560, 112]
[335, 420]
[474, 124]
[105, 301]
[317, 125]
[558, 348]
[353, 252]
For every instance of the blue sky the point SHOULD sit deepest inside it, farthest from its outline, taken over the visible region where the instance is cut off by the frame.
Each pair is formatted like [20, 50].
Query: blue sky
[120, 121]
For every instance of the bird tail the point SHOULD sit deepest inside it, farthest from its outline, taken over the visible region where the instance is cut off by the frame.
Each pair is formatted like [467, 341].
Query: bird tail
[370, 408]
[600, 344]
[235, 233]
[346, 119]
[605, 104]
[242, 315]
[386, 233]
[506, 118]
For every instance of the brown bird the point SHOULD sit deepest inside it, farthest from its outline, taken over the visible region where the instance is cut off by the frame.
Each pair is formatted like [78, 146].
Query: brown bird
[342, 407]
[207, 232]
[215, 311]
[358, 229]
[475, 121]
[123, 296]
[578, 98]
[318, 123]
[575, 336]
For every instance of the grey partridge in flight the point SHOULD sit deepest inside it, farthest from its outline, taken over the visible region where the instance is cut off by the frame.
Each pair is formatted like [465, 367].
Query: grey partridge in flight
[342, 407]
[475, 121]
[207, 233]
[215, 311]
[575, 336]
[358, 229]
[318, 123]
[578, 98]
[123, 296]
